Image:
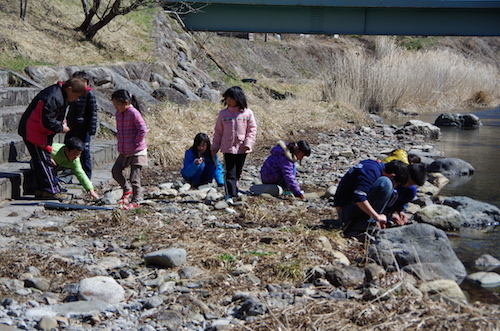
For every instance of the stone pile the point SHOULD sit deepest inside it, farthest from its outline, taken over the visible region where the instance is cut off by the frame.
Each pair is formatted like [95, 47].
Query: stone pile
[120, 282]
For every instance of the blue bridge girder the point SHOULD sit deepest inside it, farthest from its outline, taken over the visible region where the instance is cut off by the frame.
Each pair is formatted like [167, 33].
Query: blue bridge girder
[363, 17]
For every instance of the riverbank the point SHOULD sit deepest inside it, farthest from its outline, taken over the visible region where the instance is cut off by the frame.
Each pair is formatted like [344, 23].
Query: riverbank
[245, 266]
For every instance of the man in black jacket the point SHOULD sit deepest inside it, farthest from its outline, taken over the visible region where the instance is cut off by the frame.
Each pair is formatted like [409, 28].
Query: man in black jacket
[43, 118]
[82, 121]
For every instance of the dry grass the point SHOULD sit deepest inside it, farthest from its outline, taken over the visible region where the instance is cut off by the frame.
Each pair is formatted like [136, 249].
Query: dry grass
[400, 313]
[394, 78]
[47, 36]
[284, 258]
[172, 127]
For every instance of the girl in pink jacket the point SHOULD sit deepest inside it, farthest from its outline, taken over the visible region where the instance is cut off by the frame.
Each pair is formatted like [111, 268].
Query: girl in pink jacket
[131, 135]
[234, 135]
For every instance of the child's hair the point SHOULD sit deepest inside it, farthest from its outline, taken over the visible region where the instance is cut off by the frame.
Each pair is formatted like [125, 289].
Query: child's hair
[74, 143]
[82, 75]
[302, 145]
[77, 85]
[412, 159]
[418, 173]
[399, 169]
[198, 139]
[123, 96]
[237, 94]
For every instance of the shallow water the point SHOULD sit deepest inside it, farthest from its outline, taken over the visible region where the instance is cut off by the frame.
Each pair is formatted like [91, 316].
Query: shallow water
[481, 148]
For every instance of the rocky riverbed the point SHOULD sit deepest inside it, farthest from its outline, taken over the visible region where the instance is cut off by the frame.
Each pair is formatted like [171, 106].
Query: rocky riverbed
[186, 260]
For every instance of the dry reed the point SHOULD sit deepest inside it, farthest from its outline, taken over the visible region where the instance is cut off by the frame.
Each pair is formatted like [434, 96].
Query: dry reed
[394, 78]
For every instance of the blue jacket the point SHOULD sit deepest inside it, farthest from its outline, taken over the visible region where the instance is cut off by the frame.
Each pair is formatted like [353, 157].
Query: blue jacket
[405, 195]
[279, 168]
[203, 173]
[357, 182]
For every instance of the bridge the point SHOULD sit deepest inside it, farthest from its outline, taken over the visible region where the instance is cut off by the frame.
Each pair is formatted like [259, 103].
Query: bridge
[364, 17]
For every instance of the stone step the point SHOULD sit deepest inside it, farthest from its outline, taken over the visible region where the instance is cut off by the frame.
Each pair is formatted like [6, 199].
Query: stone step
[12, 147]
[17, 96]
[10, 117]
[16, 177]
[4, 78]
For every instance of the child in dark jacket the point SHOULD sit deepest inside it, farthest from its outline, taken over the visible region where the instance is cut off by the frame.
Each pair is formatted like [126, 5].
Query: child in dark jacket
[200, 166]
[280, 168]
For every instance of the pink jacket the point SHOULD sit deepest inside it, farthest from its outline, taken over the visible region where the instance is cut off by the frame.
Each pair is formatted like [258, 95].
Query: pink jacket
[235, 129]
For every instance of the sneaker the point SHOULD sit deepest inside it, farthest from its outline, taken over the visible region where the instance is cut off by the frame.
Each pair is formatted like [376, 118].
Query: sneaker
[130, 206]
[125, 199]
[44, 195]
[230, 201]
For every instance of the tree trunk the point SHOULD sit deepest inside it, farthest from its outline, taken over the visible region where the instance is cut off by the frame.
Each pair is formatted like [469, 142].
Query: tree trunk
[23, 5]
[87, 22]
[91, 31]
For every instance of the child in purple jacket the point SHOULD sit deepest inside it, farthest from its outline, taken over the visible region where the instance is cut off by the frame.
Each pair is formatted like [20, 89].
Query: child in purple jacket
[279, 167]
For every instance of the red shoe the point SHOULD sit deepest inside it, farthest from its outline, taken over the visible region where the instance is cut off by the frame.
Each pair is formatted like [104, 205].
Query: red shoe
[125, 199]
[130, 206]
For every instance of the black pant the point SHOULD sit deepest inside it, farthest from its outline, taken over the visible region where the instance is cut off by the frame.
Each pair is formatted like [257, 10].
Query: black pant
[233, 164]
[43, 169]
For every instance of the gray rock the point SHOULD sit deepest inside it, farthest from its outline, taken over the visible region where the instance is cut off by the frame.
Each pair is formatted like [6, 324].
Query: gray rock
[413, 127]
[486, 262]
[485, 279]
[445, 289]
[171, 257]
[190, 272]
[153, 302]
[345, 276]
[474, 213]
[442, 217]
[102, 289]
[451, 167]
[172, 320]
[170, 94]
[38, 283]
[47, 323]
[458, 120]
[419, 243]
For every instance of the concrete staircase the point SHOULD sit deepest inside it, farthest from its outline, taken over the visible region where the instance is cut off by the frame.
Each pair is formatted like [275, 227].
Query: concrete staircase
[15, 172]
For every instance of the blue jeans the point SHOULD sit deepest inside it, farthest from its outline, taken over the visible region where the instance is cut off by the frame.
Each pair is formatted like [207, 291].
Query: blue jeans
[204, 175]
[355, 221]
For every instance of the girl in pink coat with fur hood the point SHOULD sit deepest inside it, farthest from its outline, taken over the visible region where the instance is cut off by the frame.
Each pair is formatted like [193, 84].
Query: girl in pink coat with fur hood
[234, 135]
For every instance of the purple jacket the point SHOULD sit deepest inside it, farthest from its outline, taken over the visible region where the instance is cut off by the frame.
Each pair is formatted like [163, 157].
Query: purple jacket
[279, 168]
[235, 129]
[131, 132]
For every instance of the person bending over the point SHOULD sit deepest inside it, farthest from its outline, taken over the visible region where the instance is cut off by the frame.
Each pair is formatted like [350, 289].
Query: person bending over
[364, 192]
[67, 156]
[280, 167]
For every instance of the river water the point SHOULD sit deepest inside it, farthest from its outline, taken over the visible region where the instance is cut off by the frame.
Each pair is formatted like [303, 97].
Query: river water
[481, 148]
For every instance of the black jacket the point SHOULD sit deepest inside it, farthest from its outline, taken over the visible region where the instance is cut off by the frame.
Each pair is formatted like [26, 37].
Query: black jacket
[44, 115]
[82, 116]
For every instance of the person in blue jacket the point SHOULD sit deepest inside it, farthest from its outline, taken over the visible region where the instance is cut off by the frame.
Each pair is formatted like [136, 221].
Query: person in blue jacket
[396, 210]
[364, 193]
[200, 166]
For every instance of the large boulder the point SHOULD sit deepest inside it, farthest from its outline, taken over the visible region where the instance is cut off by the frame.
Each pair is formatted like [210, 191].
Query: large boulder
[420, 127]
[474, 213]
[451, 167]
[442, 217]
[458, 120]
[414, 246]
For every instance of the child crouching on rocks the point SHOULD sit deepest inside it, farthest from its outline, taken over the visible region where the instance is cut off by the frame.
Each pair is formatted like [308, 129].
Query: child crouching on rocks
[280, 167]
[200, 166]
